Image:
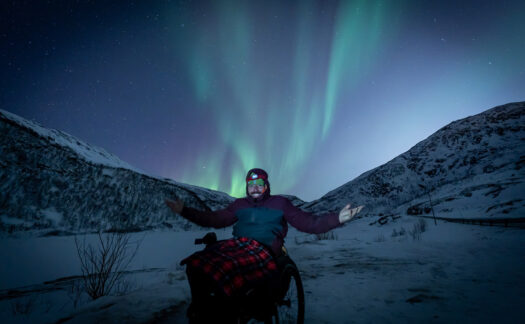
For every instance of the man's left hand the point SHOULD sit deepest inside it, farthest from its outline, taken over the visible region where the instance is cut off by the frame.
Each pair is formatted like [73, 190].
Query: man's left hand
[347, 214]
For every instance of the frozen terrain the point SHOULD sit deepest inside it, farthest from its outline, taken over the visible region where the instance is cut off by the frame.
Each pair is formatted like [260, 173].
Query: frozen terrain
[391, 265]
[367, 274]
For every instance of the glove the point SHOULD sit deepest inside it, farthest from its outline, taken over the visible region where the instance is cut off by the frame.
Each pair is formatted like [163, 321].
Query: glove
[347, 214]
[176, 206]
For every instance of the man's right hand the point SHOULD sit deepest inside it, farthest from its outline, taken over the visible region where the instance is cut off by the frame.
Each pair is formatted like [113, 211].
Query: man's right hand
[175, 205]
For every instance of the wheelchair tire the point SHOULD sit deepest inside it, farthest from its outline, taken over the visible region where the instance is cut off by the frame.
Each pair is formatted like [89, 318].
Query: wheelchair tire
[290, 307]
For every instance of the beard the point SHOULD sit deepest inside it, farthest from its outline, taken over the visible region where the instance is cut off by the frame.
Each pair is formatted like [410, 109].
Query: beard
[256, 194]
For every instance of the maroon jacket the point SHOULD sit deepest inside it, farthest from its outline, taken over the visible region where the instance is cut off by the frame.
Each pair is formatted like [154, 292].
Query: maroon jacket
[264, 219]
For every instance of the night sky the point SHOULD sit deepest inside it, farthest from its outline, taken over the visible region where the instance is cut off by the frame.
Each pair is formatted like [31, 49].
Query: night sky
[315, 92]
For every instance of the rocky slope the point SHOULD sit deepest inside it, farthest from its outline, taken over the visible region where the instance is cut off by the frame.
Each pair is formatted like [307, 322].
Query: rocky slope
[52, 182]
[471, 168]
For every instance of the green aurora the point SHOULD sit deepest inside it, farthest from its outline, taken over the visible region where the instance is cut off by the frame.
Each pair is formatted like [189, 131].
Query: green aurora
[235, 68]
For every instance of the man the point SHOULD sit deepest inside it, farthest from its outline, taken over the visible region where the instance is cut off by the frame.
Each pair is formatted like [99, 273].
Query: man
[254, 256]
[264, 217]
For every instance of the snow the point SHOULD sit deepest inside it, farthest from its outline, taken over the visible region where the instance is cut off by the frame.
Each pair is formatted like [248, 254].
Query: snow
[52, 215]
[12, 221]
[472, 168]
[480, 155]
[392, 273]
[89, 153]
[80, 187]
[452, 273]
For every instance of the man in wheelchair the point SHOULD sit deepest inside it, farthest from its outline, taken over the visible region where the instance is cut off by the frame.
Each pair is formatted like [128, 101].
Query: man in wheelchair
[255, 256]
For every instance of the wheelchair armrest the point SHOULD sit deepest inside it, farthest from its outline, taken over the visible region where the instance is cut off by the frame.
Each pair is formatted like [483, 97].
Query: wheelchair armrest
[208, 239]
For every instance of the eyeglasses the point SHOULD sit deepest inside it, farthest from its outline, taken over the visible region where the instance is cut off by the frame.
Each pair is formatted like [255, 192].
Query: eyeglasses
[257, 182]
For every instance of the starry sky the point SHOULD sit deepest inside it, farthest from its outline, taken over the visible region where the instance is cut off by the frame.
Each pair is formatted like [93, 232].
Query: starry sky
[314, 92]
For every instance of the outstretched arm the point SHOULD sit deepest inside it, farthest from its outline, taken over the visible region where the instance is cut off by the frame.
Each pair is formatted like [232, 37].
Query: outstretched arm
[308, 222]
[216, 219]
[316, 224]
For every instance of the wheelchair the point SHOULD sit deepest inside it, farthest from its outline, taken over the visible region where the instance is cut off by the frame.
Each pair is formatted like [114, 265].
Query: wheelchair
[279, 302]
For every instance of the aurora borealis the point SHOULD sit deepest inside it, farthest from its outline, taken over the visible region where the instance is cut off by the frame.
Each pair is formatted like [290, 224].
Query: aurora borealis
[314, 92]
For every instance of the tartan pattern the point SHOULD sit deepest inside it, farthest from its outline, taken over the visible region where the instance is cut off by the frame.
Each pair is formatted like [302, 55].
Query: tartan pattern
[234, 264]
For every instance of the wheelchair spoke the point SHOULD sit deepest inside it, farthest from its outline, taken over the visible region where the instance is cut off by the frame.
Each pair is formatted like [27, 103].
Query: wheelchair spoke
[291, 308]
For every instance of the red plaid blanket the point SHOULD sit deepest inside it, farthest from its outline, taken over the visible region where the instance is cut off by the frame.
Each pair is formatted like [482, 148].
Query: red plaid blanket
[234, 264]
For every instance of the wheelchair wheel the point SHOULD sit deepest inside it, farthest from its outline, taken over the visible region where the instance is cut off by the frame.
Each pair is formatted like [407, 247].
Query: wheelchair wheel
[290, 308]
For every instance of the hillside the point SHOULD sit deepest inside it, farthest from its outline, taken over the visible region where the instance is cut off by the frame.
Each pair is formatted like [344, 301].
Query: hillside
[472, 168]
[53, 183]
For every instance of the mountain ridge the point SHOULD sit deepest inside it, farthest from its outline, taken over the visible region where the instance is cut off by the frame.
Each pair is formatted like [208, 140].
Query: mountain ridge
[49, 183]
[53, 181]
[474, 147]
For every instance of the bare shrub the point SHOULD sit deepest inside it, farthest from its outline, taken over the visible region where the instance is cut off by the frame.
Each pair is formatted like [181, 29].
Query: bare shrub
[327, 236]
[103, 266]
[394, 233]
[23, 305]
[171, 277]
[422, 225]
[47, 305]
[401, 232]
[380, 238]
[75, 292]
[122, 287]
[419, 227]
[305, 239]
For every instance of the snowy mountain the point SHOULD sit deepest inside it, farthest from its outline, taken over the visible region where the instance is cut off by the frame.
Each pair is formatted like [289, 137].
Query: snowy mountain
[52, 182]
[471, 168]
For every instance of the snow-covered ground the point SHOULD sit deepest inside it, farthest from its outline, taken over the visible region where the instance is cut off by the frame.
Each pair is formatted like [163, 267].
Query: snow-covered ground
[451, 273]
